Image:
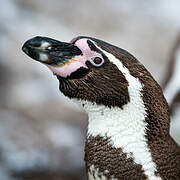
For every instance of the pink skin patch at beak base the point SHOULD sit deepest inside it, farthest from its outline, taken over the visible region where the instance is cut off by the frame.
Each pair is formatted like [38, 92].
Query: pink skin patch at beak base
[77, 61]
[66, 70]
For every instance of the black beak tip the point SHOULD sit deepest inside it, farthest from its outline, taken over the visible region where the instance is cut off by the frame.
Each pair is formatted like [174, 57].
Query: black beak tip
[31, 44]
[25, 48]
[28, 48]
[34, 42]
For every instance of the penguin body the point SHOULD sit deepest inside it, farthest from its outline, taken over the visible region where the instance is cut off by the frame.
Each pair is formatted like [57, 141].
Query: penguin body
[128, 131]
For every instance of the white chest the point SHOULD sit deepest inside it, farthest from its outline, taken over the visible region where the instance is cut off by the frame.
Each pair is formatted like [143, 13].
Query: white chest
[126, 129]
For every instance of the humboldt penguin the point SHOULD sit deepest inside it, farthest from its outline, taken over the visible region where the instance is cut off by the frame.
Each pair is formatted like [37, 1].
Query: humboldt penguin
[128, 127]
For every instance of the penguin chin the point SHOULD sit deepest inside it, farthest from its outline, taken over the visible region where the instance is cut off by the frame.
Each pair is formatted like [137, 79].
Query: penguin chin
[78, 74]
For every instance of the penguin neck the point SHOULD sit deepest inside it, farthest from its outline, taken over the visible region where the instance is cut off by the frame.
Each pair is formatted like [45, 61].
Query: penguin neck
[127, 128]
[127, 123]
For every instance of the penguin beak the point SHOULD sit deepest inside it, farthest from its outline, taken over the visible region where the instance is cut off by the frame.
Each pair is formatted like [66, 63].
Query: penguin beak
[50, 51]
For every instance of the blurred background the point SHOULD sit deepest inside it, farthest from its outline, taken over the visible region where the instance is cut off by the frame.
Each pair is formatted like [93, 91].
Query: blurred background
[41, 132]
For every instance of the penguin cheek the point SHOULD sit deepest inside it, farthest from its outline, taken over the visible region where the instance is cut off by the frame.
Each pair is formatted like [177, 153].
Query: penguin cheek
[68, 69]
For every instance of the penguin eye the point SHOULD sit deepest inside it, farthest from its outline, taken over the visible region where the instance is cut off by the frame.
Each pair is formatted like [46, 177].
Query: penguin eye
[97, 61]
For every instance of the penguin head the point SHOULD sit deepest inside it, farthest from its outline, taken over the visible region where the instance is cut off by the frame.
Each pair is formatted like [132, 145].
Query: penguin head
[87, 68]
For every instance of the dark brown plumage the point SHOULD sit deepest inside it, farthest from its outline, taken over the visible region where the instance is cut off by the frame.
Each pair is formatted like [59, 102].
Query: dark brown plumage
[101, 154]
[107, 85]
[109, 89]
[165, 151]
